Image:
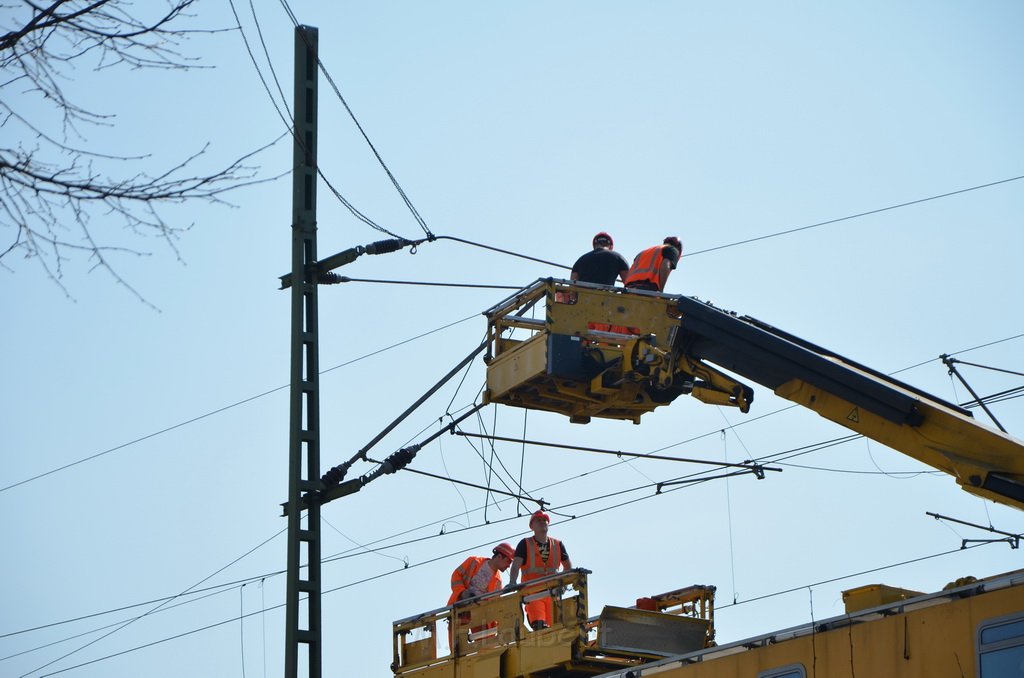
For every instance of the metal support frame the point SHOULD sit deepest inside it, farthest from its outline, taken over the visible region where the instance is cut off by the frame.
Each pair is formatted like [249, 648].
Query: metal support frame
[1012, 539]
[951, 364]
[304, 433]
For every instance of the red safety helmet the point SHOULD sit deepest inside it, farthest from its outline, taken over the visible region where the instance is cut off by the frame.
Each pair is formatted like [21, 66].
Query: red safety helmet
[674, 242]
[540, 515]
[504, 549]
[603, 236]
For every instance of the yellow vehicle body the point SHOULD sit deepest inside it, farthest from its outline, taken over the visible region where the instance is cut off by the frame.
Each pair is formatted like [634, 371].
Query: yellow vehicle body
[969, 631]
[943, 635]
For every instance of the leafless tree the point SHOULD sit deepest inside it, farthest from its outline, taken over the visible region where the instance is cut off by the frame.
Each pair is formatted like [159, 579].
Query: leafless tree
[61, 200]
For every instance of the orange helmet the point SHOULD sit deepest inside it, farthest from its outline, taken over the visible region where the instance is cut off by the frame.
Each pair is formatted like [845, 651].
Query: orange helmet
[603, 236]
[504, 549]
[540, 515]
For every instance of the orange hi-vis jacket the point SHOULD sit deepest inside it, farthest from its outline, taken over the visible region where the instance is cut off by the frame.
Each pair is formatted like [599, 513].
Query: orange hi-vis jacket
[646, 267]
[535, 568]
[463, 575]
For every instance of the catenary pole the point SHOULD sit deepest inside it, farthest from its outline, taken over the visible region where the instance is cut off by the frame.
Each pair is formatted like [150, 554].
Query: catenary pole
[304, 428]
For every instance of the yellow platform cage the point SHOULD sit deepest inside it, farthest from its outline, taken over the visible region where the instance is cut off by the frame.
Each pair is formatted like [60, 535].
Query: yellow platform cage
[587, 351]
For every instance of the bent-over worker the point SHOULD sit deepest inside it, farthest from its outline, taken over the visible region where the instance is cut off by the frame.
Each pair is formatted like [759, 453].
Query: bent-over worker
[538, 556]
[478, 575]
[651, 267]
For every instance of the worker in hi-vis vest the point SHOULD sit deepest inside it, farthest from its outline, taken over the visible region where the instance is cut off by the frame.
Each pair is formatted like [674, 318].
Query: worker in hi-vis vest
[538, 556]
[476, 576]
[479, 575]
[651, 267]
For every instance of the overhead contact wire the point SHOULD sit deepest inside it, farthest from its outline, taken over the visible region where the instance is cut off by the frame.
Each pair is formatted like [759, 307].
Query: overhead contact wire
[598, 450]
[486, 488]
[391, 572]
[799, 451]
[227, 407]
[365, 548]
[793, 452]
[337, 91]
[502, 251]
[857, 216]
[155, 609]
[290, 126]
[848, 576]
[346, 279]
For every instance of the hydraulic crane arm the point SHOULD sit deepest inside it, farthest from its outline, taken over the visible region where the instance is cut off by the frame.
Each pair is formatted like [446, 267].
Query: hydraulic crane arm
[983, 461]
[615, 353]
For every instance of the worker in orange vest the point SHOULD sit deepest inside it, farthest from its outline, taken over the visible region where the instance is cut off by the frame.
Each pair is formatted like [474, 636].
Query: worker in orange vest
[478, 575]
[538, 556]
[651, 267]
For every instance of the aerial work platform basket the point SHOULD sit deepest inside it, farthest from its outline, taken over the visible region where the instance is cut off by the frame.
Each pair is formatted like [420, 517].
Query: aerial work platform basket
[598, 352]
[485, 637]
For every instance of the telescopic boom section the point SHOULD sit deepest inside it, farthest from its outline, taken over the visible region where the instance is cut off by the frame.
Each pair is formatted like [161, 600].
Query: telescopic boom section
[983, 460]
[607, 352]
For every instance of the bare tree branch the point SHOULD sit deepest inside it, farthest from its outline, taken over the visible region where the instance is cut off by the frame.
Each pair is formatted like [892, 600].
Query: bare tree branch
[60, 199]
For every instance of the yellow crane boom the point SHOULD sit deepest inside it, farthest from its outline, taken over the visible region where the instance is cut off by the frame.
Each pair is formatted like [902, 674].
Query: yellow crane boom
[616, 353]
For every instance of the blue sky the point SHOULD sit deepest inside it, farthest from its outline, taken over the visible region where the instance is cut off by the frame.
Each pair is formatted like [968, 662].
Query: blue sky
[526, 126]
